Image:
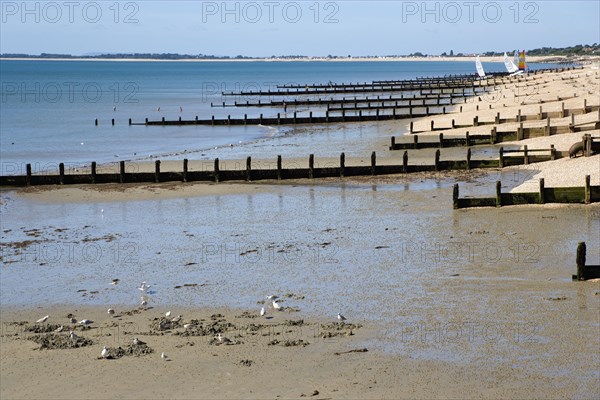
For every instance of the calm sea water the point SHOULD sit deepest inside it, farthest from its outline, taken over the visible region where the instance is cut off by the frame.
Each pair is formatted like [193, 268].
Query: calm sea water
[48, 108]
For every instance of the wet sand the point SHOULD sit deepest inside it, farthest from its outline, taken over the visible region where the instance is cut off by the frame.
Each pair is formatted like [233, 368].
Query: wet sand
[474, 303]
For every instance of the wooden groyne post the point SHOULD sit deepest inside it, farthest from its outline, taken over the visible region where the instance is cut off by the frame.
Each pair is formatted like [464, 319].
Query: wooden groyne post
[584, 272]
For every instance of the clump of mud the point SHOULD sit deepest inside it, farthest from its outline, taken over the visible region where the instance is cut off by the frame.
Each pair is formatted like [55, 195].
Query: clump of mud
[135, 350]
[337, 329]
[41, 328]
[52, 341]
[164, 324]
[288, 343]
[213, 328]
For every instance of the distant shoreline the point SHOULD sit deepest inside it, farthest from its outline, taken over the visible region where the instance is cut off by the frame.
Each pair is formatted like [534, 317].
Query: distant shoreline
[370, 59]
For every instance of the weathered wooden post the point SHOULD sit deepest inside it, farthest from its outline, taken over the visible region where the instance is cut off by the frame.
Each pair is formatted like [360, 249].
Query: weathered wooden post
[61, 173]
[405, 162]
[146, 121]
[588, 145]
[393, 144]
[587, 191]
[122, 172]
[279, 118]
[467, 139]
[497, 119]
[373, 163]
[93, 172]
[180, 120]
[541, 195]
[441, 140]
[96, 122]
[498, 194]
[540, 114]
[455, 196]
[552, 152]
[437, 160]
[501, 157]
[129, 121]
[112, 122]
[562, 109]
[469, 158]
[572, 124]
[580, 261]
[411, 126]
[525, 155]
[163, 120]
[28, 179]
[519, 115]
[432, 126]
[157, 171]
[547, 132]
[520, 131]
[416, 141]
[476, 121]
[249, 168]
[185, 169]
[279, 167]
[310, 117]
[453, 124]
[216, 170]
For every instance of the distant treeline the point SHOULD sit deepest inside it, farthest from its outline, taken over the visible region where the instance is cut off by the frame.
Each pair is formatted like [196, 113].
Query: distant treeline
[578, 50]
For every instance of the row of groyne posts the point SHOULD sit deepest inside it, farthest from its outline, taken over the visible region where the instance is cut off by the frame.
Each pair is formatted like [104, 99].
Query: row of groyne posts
[440, 89]
[585, 194]
[216, 174]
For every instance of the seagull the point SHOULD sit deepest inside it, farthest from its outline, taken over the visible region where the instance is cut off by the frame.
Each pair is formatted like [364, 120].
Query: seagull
[177, 318]
[276, 305]
[272, 297]
[188, 326]
[262, 312]
[73, 336]
[143, 287]
[340, 317]
[168, 314]
[180, 109]
[110, 312]
[223, 339]
[138, 342]
[144, 303]
[105, 352]
[86, 322]
[114, 108]
[158, 109]
[59, 329]
[42, 320]
[164, 356]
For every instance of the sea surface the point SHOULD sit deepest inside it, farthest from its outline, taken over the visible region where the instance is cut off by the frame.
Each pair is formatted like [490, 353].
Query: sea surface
[48, 108]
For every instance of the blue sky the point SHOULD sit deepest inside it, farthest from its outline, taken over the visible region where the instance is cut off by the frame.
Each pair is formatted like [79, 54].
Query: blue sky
[314, 28]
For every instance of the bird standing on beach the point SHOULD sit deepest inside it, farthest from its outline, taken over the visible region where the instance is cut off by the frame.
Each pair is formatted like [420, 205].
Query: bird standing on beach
[59, 329]
[138, 342]
[110, 312]
[164, 356]
[105, 352]
[276, 305]
[262, 312]
[86, 322]
[341, 318]
[223, 339]
[177, 319]
[42, 320]
[144, 287]
[180, 109]
[73, 336]
[168, 314]
[114, 108]
[158, 109]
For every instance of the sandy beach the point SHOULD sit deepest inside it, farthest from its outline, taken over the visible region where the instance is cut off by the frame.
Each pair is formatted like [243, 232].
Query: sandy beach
[440, 303]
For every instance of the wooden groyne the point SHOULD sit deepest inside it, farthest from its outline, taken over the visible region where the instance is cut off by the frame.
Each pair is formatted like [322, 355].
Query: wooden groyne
[578, 195]
[416, 99]
[584, 272]
[250, 174]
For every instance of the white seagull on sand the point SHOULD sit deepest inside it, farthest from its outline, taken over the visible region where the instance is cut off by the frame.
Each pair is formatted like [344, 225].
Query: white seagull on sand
[105, 352]
[223, 339]
[110, 312]
[86, 322]
[262, 312]
[42, 320]
[73, 336]
[341, 318]
[168, 314]
[276, 305]
[138, 342]
[164, 356]
[59, 329]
